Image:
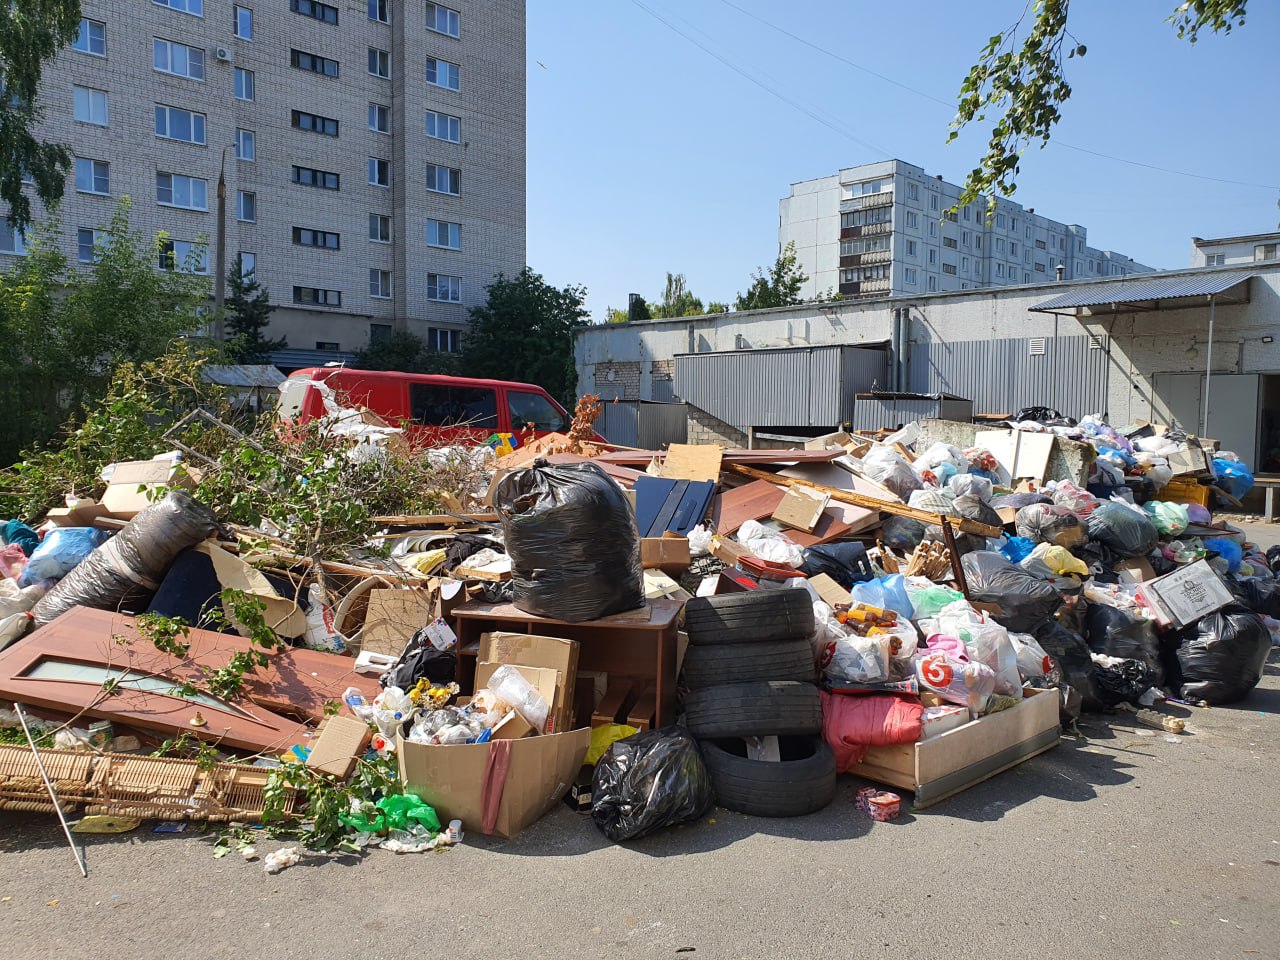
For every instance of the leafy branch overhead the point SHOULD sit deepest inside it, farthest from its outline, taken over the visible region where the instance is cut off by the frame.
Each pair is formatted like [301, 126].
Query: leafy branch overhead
[1020, 82]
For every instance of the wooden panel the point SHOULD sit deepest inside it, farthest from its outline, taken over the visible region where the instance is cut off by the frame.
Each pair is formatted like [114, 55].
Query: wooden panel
[641, 458]
[692, 461]
[964, 746]
[758, 500]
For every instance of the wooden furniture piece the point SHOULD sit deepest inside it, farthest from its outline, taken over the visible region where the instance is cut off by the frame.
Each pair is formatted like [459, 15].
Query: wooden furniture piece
[636, 649]
[1269, 484]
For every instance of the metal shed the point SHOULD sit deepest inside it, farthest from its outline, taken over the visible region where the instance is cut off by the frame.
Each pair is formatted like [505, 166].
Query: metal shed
[878, 411]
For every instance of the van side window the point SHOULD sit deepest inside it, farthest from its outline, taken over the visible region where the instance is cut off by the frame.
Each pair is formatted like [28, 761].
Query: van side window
[440, 406]
[533, 408]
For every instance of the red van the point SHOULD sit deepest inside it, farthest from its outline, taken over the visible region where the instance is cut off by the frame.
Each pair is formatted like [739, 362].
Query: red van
[435, 409]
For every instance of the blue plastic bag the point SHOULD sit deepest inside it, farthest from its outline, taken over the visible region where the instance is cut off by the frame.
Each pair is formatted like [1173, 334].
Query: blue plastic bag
[1233, 477]
[1017, 549]
[60, 552]
[1229, 550]
[887, 593]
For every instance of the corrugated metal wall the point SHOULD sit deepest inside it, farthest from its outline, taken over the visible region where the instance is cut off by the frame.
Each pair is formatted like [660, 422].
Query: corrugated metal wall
[1003, 376]
[650, 426]
[878, 413]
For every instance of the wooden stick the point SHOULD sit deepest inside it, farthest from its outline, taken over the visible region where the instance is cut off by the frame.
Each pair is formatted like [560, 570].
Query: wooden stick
[956, 567]
[48, 785]
[432, 519]
[963, 524]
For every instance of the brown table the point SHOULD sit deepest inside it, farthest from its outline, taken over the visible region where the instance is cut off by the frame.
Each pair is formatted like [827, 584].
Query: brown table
[639, 645]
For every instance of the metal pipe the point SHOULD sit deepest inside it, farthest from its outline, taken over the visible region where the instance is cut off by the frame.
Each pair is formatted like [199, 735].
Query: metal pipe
[220, 254]
[48, 785]
[1208, 370]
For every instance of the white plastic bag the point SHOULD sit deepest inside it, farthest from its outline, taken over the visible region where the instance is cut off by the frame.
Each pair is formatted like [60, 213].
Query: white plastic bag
[986, 642]
[1033, 662]
[963, 483]
[510, 686]
[699, 541]
[321, 634]
[858, 659]
[770, 545]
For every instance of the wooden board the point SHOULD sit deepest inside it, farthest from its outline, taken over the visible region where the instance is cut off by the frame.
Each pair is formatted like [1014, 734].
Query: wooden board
[830, 591]
[692, 461]
[393, 617]
[758, 500]
[642, 458]
[676, 505]
[1021, 455]
[800, 510]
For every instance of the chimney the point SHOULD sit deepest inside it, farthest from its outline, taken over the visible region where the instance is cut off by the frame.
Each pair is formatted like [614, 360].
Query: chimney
[1060, 270]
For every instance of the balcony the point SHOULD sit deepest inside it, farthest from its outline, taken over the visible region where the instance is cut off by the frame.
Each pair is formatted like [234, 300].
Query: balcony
[877, 229]
[877, 256]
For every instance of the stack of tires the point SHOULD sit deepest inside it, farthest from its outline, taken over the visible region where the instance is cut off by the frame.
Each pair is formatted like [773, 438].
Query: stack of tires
[750, 673]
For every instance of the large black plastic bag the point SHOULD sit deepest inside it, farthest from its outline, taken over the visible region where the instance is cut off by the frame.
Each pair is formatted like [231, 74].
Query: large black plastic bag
[1223, 654]
[1122, 681]
[1046, 523]
[1259, 595]
[649, 781]
[1121, 529]
[1026, 601]
[846, 563]
[571, 535]
[1071, 654]
[1116, 633]
[125, 571]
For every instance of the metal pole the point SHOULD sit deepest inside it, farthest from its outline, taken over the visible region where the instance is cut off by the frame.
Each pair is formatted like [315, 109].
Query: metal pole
[1208, 371]
[220, 280]
[48, 785]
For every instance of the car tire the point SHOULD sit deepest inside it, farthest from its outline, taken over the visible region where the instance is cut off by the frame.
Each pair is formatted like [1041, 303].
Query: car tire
[802, 782]
[759, 708]
[756, 617]
[713, 664]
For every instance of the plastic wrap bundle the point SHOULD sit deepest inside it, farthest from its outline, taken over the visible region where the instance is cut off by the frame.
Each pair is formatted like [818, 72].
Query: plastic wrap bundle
[649, 781]
[571, 535]
[1046, 523]
[1026, 601]
[1118, 633]
[891, 470]
[126, 570]
[1222, 656]
[1018, 500]
[1125, 531]
[932, 500]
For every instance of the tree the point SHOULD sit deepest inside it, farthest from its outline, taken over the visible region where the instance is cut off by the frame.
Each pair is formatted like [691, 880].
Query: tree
[408, 353]
[677, 300]
[249, 310]
[31, 32]
[1023, 84]
[524, 331]
[780, 287]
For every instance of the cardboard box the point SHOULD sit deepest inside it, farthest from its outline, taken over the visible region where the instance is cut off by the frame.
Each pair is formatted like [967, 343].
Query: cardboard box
[1191, 462]
[530, 650]
[393, 617]
[341, 743]
[549, 683]
[668, 553]
[82, 514]
[828, 441]
[452, 778]
[1184, 596]
[132, 482]
[1135, 571]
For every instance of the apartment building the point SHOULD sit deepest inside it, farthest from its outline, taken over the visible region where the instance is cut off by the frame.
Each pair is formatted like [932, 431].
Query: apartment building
[1227, 251]
[883, 229]
[373, 150]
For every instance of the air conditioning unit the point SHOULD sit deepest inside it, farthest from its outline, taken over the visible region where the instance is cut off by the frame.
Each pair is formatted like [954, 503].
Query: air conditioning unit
[223, 54]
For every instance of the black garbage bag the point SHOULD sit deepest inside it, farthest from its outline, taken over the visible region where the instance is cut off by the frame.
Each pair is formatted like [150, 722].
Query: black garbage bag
[1273, 558]
[649, 781]
[1222, 655]
[571, 535]
[1259, 595]
[124, 572]
[1027, 601]
[902, 533]
[421, 659]
[846, 563]
[1117, 633]
[1046, 523]
[1046, 415]
[1122, 681]
[971, 507]
[1071, 654]
[1122, 530]
[1018, 500]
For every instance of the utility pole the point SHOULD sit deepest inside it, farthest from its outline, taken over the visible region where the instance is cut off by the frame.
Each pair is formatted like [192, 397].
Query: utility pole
[220, 254]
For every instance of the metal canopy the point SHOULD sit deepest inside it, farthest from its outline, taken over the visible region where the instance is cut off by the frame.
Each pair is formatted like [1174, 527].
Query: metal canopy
[1151, 293]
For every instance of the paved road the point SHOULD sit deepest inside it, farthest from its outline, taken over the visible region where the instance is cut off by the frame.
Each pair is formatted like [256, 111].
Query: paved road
[1120, 844]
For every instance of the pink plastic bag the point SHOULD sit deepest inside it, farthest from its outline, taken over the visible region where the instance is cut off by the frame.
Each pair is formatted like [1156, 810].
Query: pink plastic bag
[12, 560]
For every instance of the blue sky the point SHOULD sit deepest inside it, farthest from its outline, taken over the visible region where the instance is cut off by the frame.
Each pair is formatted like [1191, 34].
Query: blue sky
[647, 154]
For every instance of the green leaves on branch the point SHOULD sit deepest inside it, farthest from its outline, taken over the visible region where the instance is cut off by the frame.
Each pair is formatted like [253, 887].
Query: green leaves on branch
[779, 287]
[1216, 16]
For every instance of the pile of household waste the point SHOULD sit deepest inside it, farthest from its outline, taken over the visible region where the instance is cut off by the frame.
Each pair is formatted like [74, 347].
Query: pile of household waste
[893, 606]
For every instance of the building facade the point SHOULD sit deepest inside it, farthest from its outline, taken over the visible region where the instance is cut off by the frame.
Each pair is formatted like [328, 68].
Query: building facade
[1226, 251]
[374, 151]
[883, 229]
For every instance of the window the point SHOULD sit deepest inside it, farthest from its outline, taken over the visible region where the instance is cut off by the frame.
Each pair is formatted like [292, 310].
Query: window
[1079, 245]
[244, 23]
[913, 219]
[380, 11]
[305, 237]
[910, 275]
[91, 38]
[176, 190]
[977, 241]
[913, 191]
[313, 63]
[533, 409]
[1265, 251]
[964, 264]
[314, 123]
[380, 332]
[379, 228]
[965, 211]
[86, 243]
[444, 289]
[949, 269]
[911, 248]
[1039, 268]
[1013, 248]
[442, 126]
[380, 63]
[93, 176]
[244, 84]
[1026, 255]
[933, 201]
[174, 123]
[1013, 224]
[933, 257]
[177, 58]
[443, 179]
[379, 172]
[1212, 260]
[442, 19]
[311, 177]
[315, 10]
[91, 106]
[183, 255]
[442, 234]
[933, 228]
[379, 118]
[440, 406]
[193, 7]
[442, 73]
[11, 240]
[1040, 245]
[933, 284]
[318, 297]
[379, 284]
[949, 242]
[1001, 220]
[331, 345]
[248, 265]
[246, 146]
[246, 206]
[1026, 278]
[1062, 243]
[444, 341]
[999, 269]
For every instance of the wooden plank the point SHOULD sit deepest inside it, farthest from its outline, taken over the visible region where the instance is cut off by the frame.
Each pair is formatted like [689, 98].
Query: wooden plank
[800, 509]
[830, 591]
[964, 746]
[641, 714]
[642, 458]
[692, 461]
[617, 699]
[752, 501]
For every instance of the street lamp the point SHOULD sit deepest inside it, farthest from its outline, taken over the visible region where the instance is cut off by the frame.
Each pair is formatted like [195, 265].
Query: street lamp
[220, 250]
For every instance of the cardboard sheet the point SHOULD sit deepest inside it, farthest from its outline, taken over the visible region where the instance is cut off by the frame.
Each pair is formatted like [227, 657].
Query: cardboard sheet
[393, 618]
[801, 509]
[282, 614]
[693, 461]
[1020, 454]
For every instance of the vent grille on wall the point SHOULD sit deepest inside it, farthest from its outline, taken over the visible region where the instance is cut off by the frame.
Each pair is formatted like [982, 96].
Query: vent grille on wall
[1095, 343]
[1037, 346]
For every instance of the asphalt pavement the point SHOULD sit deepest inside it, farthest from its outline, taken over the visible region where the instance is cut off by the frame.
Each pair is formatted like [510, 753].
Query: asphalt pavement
[1121, 842]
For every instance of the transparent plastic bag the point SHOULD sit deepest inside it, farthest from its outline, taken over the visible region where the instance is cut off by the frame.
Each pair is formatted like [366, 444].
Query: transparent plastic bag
[60, 552]
[510, 686]
[967, 684]
[1170, 519]
[887, 593]
[985, 642]
[965, 483]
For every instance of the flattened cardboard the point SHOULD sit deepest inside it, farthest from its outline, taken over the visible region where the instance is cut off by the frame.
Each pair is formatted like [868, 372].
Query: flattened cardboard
[830, 591]
[132, 482]
[81, 515]
[531, 650]
[451, 778]
[282, 614]
[1135, 571]
[658, 586]
[394, 616]
[341, 743]
[693, 461]
[801, 509]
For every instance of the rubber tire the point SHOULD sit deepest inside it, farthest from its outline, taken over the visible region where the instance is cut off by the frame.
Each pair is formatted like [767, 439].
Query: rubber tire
[789, 788]
[756, 617]
[759, 708]
[713, 664]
